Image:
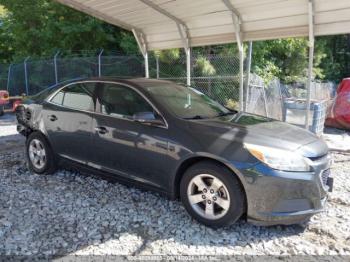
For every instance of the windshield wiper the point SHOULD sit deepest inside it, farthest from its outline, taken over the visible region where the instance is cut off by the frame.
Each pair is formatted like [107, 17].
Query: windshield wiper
[227, 113]
[195, 117]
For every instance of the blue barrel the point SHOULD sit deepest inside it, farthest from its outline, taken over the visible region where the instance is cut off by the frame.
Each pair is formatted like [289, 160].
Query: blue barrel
[319, 109]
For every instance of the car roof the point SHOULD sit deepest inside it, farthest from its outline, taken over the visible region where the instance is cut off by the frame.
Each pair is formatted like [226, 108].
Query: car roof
[132, 81]
[136, 82]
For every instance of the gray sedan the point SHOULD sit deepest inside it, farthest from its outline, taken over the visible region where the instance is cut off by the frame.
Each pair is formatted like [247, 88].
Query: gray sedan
[222, 164]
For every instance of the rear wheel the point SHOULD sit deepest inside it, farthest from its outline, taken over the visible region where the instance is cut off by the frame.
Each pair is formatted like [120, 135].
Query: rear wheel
[212, 194]
[40, 157]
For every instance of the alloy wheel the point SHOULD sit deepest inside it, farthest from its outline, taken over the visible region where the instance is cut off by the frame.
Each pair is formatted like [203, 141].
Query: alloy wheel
[208, 196]
[37, 154]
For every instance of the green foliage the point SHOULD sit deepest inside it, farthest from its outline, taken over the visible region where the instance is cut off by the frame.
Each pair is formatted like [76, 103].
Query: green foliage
[6, 50]
[39, 28]
[205, 67]
[285, 59]
[169, 56]
[268, 71]
[335, 62]
[127, 43]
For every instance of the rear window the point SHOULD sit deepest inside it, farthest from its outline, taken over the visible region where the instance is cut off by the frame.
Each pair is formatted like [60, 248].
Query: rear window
[78, 96]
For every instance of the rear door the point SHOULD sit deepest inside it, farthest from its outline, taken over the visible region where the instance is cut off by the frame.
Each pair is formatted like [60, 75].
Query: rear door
[68, 120]
[123, 146]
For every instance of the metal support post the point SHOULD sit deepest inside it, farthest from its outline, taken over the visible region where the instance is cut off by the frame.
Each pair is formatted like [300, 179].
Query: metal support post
[157, 65]
[99, 63]
[142, 44]
[247, 82]
[55, 66]
[146, 65]
[185, 37]
[26, 76]
[188, 66]
[9, 78]
[237, 21]
[183, 31]
[311, 62]
[241, 78]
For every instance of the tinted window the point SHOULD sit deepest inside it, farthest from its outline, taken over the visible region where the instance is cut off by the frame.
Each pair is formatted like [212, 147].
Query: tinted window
[185, 102]
[78, 96]
[58, 99]
[122, 101]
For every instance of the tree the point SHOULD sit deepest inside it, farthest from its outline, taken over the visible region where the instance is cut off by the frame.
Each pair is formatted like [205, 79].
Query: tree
[6, 49]
[40, 28]
[336, 60]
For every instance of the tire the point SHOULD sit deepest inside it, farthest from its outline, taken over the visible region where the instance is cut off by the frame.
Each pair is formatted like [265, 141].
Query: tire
[225, 213]
[2, 112]
[47, 165]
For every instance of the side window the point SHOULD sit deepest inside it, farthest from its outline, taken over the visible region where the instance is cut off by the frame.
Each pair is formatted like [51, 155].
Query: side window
[78, 96]
[58, 98]
[121, 101]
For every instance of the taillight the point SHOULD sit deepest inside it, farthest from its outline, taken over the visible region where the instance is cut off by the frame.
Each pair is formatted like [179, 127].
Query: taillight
[4, 95]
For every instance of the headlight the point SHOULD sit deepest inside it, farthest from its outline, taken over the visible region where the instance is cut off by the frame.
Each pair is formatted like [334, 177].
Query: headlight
[279, 159]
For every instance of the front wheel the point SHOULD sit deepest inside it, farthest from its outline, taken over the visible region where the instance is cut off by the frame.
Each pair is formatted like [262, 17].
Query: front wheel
[40, 156]
[212, 194]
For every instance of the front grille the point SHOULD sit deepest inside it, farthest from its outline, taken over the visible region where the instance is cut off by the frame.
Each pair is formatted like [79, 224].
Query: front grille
[324, 176]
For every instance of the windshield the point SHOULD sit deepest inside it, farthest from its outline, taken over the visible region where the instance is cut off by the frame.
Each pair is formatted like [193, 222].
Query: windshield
[185, 102]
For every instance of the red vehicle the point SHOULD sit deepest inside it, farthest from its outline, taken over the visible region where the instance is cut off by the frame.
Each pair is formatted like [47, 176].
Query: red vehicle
[4, 100]
[339, 115]
[9, 102]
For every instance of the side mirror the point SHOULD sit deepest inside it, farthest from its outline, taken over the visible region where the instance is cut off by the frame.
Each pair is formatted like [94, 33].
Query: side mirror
[148, 118]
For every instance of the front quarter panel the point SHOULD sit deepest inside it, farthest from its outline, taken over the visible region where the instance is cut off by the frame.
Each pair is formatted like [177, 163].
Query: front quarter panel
[194, 143]
[226, 143]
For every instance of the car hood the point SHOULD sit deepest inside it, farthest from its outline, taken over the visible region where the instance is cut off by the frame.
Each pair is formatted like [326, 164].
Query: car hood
[252, 129]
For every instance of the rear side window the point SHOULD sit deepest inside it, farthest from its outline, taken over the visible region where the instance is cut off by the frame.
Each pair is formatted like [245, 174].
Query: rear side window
[58, 99]
[122, 101]
[78, 96]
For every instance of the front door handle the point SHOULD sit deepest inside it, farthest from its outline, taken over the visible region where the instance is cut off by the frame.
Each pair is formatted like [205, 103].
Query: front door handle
[53, 118]
[101, 130]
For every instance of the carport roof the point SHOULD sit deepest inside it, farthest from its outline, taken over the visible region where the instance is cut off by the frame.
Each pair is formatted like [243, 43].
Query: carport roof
[210, 22]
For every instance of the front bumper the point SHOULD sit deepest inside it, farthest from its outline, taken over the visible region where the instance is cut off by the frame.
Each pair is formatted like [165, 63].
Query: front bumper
[284, 198]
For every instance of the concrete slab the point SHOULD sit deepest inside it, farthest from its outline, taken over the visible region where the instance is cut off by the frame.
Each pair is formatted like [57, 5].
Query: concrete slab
[8, 125]
[337, 140]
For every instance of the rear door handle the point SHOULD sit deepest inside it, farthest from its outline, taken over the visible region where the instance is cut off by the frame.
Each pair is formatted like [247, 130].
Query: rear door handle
[101, 130]
[53, 118]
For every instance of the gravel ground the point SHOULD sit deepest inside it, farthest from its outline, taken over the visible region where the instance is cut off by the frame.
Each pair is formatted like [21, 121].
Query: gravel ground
[70, 213]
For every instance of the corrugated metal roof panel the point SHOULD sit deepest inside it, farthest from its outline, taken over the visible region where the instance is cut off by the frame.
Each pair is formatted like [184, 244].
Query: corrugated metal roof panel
[210, 22]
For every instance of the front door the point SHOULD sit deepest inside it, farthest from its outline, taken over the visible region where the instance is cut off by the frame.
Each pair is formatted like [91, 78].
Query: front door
[124, 146]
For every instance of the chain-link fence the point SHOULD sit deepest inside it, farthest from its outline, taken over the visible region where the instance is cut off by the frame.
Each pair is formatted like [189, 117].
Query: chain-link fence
[32, 76]
[215, 75]
[288, 102]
